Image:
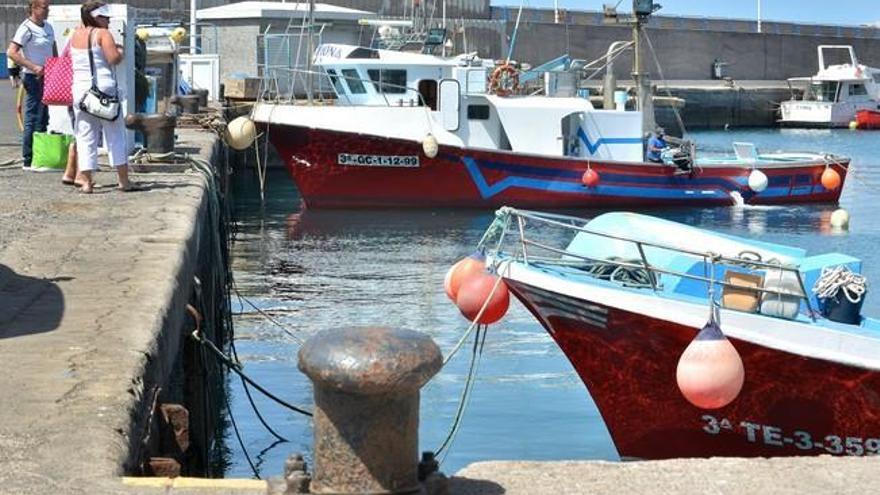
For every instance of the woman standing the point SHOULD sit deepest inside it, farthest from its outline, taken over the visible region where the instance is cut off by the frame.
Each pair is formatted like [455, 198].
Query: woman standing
[94, 38]
[33, 43]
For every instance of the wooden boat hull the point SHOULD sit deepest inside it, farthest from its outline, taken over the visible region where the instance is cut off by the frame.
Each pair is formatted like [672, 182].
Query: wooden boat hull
[342, 169]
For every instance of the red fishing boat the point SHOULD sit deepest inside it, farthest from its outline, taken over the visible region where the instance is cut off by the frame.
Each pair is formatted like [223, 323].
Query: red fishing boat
[625, 297]
[419, 130]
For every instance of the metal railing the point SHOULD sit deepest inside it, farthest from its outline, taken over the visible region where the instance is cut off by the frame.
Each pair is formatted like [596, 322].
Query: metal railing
[569, 258]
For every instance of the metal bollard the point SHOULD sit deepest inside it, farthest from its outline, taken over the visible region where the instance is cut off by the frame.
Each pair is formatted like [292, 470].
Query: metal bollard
[366, 416]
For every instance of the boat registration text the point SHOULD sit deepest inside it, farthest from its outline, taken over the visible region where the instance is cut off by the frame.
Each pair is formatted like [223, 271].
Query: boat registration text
[798, 439]
[378, 160]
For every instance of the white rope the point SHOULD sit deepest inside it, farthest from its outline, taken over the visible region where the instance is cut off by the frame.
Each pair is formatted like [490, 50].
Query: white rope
[840, 278]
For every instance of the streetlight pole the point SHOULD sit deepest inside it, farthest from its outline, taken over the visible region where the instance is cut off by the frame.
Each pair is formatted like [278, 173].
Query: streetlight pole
[192, 26]
[759, 16]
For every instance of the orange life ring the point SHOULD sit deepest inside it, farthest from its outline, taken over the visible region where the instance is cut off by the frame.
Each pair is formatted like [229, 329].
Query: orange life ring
[504, 80]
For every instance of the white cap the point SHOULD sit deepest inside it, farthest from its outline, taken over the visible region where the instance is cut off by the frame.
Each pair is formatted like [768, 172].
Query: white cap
[102, 11]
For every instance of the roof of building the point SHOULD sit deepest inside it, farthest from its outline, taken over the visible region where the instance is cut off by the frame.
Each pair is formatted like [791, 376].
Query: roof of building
[279, 10]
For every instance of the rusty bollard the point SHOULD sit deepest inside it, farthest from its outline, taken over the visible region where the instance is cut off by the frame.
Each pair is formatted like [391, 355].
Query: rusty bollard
[366, 416]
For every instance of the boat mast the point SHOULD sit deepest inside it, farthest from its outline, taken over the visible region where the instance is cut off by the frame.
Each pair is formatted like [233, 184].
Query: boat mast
[642, 10]
[311, 48]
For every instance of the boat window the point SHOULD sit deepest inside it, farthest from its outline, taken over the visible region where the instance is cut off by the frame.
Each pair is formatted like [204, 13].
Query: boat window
[877, 78]
[392, 81]
[363, 53]
[825, 90]
[353, 80]
[857, 90]
[478, 112]
[340, 89]
[428, 93]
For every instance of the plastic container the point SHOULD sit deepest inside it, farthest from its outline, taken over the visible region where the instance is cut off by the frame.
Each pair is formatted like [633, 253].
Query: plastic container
[620, 98]
[842, 310]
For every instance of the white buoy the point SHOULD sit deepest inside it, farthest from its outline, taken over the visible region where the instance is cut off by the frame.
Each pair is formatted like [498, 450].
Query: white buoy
[840, 218]
[757, 181]
[430, 146]
[240, 133]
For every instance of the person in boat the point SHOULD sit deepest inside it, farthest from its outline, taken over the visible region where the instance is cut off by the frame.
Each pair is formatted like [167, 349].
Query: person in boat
[656, 144]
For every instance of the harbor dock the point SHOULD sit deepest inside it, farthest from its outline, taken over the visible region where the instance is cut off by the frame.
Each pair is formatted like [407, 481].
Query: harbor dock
[92, 319]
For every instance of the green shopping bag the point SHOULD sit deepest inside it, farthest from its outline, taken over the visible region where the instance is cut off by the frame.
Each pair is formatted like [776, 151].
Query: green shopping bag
[50, 150]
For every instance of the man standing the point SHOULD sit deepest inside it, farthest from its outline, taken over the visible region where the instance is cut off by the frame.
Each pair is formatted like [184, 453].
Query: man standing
[33, 43]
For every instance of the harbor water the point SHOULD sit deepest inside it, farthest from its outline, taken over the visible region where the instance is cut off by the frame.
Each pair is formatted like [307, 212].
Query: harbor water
[314, 270]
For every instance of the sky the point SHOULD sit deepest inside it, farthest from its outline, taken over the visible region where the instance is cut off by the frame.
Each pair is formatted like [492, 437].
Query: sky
[847, 12]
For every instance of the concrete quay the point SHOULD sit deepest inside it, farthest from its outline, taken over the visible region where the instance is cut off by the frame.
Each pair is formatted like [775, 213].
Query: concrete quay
[92, 295]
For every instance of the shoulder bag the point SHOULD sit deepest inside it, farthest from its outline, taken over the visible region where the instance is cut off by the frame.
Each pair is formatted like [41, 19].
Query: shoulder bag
[95, 102]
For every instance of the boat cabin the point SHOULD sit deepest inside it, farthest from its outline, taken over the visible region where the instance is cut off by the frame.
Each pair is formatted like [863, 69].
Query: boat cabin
[455, 94]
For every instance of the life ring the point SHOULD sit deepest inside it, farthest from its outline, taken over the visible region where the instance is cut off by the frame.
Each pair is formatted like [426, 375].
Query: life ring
[504, 80]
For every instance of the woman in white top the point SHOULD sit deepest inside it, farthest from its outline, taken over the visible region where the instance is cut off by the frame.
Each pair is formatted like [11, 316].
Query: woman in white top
[94, 36]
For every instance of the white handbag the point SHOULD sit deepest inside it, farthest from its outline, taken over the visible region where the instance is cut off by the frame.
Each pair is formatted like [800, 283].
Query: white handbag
[95, 102]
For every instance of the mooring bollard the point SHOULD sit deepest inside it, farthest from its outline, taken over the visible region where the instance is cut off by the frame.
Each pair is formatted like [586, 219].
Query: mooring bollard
[366, 416]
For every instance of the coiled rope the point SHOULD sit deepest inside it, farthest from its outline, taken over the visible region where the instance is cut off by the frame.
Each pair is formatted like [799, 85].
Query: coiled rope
[840, 279]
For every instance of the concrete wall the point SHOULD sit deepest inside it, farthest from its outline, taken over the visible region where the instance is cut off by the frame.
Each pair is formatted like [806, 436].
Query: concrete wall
[686, 47]
[236, 42]
[688, 54]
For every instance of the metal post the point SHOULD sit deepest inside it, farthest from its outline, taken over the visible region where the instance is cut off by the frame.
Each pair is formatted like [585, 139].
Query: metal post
[192, 26]
[759, 16]
[555, 11]
[309, 78]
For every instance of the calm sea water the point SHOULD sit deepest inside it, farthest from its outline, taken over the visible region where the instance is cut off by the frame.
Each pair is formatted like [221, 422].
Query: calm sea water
[317, 270]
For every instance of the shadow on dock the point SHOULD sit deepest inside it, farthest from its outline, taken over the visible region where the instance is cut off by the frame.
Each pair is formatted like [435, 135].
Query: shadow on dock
[28, 305]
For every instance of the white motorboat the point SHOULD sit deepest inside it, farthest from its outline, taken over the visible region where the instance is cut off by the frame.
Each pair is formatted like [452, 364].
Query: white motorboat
[834, 95]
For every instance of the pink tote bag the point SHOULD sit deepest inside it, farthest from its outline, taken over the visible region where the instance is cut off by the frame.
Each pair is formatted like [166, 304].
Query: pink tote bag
[58, 79]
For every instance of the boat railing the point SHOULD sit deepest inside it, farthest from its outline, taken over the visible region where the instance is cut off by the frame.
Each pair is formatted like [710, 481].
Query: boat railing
[418, 97]
[566, 257]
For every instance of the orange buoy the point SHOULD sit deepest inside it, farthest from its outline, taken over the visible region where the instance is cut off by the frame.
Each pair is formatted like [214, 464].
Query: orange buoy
[462, 270]
[710, 371]
[474, 292]
[830, 179]
[590, 178]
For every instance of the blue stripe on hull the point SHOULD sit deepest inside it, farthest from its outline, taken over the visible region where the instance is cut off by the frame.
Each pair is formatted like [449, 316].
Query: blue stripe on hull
[672, 188]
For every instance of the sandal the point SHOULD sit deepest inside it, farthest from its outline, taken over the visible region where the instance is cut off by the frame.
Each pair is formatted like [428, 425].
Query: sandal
[131, 187]
[68, 182]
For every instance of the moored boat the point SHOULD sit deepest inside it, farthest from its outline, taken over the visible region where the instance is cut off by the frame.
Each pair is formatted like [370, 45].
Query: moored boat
[835, 94]
[624, 296]
[419, 130]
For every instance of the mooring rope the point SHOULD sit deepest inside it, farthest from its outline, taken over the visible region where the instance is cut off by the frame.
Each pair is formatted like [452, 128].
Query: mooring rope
[237, 368]
[840, 279]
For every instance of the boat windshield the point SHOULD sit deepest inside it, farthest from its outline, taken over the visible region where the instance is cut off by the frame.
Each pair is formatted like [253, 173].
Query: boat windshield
[823, 91]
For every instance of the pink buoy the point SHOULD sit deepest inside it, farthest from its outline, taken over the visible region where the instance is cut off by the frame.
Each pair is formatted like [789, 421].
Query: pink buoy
[710, 371]
[462, 270]
[474, 292]
[590, 178]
